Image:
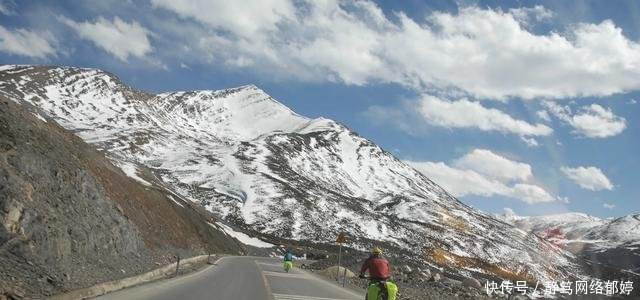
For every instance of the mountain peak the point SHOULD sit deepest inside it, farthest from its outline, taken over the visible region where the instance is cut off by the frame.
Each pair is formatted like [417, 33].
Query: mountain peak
[253, 161]
[250, 86]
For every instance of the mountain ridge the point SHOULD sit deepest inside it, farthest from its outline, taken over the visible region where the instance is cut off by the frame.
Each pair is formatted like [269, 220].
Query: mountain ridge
[278, 173]
[603, 243]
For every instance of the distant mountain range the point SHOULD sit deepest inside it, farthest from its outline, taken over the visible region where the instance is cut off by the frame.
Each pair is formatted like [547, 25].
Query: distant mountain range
[614, 242]
[255, 163]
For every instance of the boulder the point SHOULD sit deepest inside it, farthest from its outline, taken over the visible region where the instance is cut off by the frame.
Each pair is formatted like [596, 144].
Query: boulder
[449, 281]
[472, 282]
[11, 220]
[332, 271]
[436, 277]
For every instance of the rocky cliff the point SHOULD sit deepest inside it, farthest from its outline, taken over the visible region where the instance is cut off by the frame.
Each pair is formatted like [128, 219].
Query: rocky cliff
[70, 218]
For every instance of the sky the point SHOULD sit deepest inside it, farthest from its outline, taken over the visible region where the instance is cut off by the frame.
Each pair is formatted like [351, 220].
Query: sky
[526, 105]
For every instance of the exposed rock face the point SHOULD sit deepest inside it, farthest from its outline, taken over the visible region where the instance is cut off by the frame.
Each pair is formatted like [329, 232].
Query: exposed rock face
[69, 218]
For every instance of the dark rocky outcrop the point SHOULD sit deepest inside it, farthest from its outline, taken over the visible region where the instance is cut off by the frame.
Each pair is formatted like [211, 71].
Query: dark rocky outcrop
[70, 219]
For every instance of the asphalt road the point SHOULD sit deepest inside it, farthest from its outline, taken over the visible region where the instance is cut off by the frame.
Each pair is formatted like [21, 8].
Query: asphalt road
[239, 278]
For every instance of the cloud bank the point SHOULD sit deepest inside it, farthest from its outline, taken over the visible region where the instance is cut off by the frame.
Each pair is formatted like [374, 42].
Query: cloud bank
[484, 53]
[590, 178]
[484, 173]
[119, 38]
[593, 121]
[26, 42]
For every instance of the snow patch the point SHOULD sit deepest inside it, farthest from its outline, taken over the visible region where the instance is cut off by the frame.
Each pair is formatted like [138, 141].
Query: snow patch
[8, 67]
[175, 201]
[40, 117]
[243, 237]
[131, 171]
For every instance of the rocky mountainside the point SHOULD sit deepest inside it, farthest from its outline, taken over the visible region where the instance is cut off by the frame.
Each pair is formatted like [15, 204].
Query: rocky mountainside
[69, 218]
[254, 162]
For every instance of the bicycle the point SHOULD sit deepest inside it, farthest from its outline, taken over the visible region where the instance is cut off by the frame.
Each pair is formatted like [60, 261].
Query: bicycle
[288, 265]
[380, 289]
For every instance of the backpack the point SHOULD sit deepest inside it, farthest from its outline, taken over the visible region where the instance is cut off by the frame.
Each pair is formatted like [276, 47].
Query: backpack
[288, 256]
[384, 290]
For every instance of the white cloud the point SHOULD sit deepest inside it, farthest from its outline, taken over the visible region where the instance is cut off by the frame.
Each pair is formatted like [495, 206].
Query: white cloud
[462, 181]
[543, 115]
[247, 19]
[117, 37]
[563, 199]
[489, 54]
[240, 61]
[483, 52]
[597, 122]
[608, 205]
[6, 8]
[509, 213]
[530, 193]
[469, 114]
[536, 13]
[593, 121]
[530, 142]
[590, 178]
[453, 114]
[494, 166]
[27, 42]
[632, 101]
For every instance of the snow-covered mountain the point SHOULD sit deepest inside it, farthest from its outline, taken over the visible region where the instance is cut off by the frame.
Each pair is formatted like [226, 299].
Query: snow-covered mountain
[568, 228]
[612, 241]
[256, 163]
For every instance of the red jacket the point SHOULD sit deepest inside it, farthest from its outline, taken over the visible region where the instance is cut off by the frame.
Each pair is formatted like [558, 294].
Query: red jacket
[378, 267]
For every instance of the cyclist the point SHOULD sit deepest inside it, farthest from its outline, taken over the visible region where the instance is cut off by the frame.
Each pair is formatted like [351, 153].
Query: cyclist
[288, 261]
[378, 268]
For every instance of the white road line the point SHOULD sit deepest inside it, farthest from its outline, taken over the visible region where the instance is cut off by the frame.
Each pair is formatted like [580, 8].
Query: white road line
[279, 274]
[300, 297]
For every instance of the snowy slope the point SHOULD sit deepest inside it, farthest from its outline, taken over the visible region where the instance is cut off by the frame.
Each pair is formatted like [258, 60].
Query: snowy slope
[582, 228]
[612, 244]
[624, 230]
[255, 163]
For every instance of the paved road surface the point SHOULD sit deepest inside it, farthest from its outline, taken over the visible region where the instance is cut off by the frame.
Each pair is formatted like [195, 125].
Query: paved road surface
[239, 278]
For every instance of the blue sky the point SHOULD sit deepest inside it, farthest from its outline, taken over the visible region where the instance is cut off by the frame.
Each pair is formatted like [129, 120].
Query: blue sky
[530, 105]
